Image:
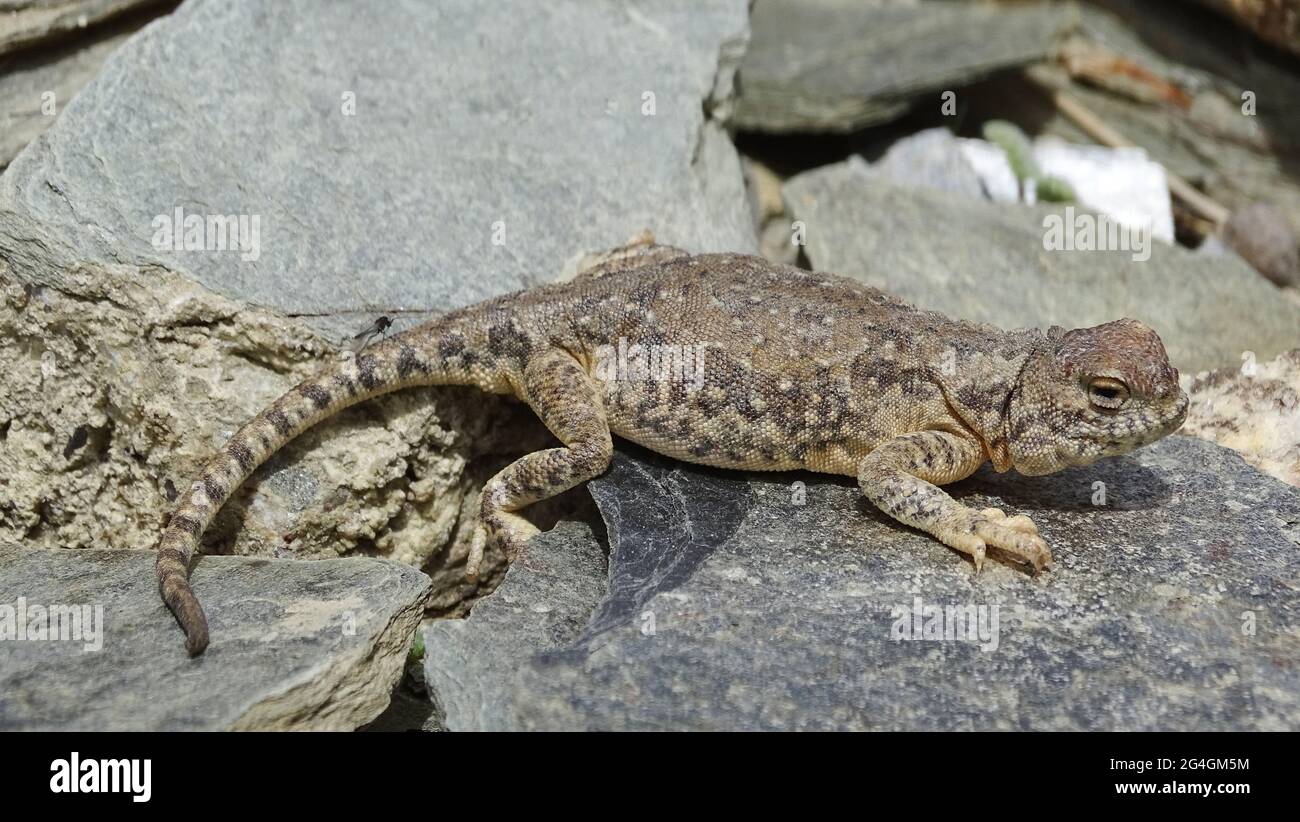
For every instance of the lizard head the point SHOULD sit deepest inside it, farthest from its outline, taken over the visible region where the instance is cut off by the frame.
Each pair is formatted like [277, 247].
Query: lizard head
[1091, 393]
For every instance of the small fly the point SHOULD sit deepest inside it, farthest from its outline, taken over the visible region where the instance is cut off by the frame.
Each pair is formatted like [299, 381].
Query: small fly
[378, 327]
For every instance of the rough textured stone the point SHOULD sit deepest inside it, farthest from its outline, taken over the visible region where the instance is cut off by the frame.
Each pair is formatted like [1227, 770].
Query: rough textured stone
[839, 65]
[986, 262]
[479, 123]
[730, 606]
[120, 386]
[1253, 409]
[296, 645]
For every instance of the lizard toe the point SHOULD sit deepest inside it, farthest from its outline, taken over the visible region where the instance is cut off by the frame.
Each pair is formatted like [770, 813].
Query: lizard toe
[970, 544]
[1025, 546]
[1019, 522]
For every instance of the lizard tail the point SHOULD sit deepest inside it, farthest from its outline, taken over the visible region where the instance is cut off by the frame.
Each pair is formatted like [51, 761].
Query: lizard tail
[399, 362]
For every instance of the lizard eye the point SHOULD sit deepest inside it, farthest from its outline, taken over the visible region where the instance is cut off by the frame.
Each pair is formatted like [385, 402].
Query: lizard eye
[1107, 394]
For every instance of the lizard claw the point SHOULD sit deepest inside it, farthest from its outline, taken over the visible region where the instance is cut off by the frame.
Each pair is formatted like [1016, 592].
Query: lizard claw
[1024, 545]
[1017, 536]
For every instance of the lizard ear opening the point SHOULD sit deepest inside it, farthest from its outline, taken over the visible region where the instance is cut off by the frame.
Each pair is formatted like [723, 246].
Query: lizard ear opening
[1107, 393]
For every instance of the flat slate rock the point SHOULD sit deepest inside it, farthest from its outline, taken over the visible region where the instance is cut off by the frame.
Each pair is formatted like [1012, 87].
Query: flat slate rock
[489, 145]
[295, 645]
[986, 262]
[728, 604]
[840, 65]
[60, 70]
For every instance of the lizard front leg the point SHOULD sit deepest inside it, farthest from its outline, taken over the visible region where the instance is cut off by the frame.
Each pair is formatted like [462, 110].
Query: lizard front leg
[901, 476]
[562, 393]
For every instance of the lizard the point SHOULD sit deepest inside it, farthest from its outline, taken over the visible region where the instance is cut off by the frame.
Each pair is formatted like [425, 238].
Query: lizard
[788, 369]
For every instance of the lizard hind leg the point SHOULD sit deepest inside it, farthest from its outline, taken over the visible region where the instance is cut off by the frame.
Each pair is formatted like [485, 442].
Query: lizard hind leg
[568, 401]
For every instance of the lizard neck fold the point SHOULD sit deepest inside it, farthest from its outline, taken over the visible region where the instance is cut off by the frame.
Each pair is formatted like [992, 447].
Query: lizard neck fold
[981, 393]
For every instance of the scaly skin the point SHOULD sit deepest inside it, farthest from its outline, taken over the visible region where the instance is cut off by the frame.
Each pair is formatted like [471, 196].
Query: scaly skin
[798, 370]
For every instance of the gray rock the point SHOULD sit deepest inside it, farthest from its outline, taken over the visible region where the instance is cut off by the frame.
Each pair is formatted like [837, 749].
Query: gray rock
[987, 263]
[839, 65]
[731, 606]
[482, 154]
[930, 159]
[545, 602]
[60, 70]
[295, 645]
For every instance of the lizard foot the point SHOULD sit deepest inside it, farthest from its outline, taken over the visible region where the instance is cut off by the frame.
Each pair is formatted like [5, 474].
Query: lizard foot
[507, 530]
[1016, 536]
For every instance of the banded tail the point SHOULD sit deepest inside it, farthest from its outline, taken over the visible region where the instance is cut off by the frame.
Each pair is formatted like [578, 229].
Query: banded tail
[433, 354]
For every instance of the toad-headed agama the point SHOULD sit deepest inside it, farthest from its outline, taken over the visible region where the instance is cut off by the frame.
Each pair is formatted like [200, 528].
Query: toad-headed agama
[796, 370]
